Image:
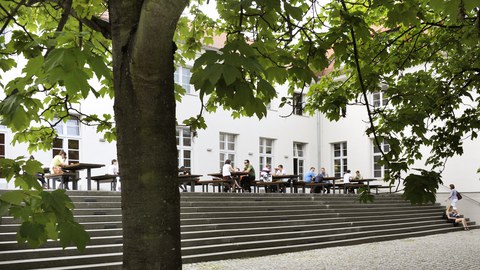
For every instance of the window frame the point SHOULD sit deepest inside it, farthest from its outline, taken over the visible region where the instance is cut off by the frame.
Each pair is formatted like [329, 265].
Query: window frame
[382, 170]
[224, 151]
[340, 169]
[265, 157]
[182, 135]
[179, 77]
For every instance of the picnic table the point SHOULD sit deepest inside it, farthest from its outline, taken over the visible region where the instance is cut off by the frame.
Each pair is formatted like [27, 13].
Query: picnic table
[236, 175]
[75, 167]
[190, 179]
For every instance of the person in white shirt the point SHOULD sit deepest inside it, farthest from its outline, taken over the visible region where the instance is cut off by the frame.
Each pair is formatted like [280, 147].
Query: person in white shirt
[227, 171]
[279, 170]
[112, 169]
[346, 180]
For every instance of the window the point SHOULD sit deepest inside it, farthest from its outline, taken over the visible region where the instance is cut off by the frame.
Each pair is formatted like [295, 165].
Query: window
[299, 159]
[266, 152]
[68, 139]
[379, 170]
[182, 77]
[340, 163]
[379, 98]
[184, 147]
[298, 100]
[227, 148]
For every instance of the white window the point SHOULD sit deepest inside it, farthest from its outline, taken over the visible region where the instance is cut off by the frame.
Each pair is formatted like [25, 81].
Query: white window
[227, 148]
[379, 170]
[266, 152]
[182, 77]
[68, 139]
[184, 147]
[379, 98]
[298, 102]
[299, 159]
[340, 163]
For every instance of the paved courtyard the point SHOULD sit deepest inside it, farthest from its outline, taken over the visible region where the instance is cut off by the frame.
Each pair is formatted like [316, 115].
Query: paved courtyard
[458, 250]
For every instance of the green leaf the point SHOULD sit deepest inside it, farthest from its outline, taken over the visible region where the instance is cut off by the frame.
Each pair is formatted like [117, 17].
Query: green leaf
[73, 233]
[231, 74]
[15, 197]
[293, 11]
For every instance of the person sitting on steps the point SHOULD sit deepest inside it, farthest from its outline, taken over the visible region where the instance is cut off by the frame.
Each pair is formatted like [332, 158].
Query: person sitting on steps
[455, 218]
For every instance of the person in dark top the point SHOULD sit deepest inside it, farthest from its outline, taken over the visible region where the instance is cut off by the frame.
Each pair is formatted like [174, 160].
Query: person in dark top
[245, 181]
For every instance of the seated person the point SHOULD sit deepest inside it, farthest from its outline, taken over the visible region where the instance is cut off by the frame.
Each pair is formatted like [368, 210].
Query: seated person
[266, 176]
[309, 176]
[245, 180]
[320, 179]
[56, 165]
[455, 219]
[227, 171]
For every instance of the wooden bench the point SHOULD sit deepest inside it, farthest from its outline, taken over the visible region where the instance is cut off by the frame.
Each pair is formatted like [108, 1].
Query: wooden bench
[376, 187]
[256, 187]
[112, 178]
[72, 177]
[313, 185]
[215, 182]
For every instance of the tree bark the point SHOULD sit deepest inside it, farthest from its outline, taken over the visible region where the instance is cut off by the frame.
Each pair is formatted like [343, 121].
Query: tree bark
[142, 38]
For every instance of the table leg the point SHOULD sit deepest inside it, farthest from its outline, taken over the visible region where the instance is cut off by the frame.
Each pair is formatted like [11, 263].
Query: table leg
[89, 179]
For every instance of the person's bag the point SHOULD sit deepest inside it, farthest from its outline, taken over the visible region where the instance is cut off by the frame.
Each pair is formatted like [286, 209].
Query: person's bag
[459, 196]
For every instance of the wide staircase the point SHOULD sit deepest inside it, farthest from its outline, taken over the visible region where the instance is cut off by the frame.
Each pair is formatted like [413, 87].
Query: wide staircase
[218, 226]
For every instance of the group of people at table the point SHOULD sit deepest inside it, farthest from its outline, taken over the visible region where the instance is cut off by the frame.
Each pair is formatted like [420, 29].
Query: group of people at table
[321, 177]
[59, 165]
[247, 176]
[243, 183]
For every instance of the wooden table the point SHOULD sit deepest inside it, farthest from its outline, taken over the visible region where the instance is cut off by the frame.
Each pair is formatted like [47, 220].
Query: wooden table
[235, 176]
[189, 178]
[333, 179]
[361, 181]
[75, 167]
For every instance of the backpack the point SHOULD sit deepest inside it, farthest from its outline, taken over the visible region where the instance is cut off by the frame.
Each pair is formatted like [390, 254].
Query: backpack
[459, 196]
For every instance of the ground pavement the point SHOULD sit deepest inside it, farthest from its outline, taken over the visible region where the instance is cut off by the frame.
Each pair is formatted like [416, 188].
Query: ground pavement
[457, 250]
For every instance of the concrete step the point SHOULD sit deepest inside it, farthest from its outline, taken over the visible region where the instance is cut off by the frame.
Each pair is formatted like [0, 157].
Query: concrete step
[359, 239]
[101, 240]
[308, 211]
[254, 224]
[61, 261]
[265, 241]
[320, 207]
[208, 219]
[57, 251]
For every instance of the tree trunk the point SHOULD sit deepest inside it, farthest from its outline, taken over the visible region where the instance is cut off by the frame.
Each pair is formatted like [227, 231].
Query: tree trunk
[142, 38]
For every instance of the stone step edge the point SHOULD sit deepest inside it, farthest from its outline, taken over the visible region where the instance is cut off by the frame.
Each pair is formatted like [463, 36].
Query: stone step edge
[237, 243]
[318, 245]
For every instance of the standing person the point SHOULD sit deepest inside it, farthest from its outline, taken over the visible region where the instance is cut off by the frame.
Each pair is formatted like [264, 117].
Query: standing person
[453, 199]
[112, 169]
[245, 180]
[56, 165]
[346, 181]
[227, 171]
